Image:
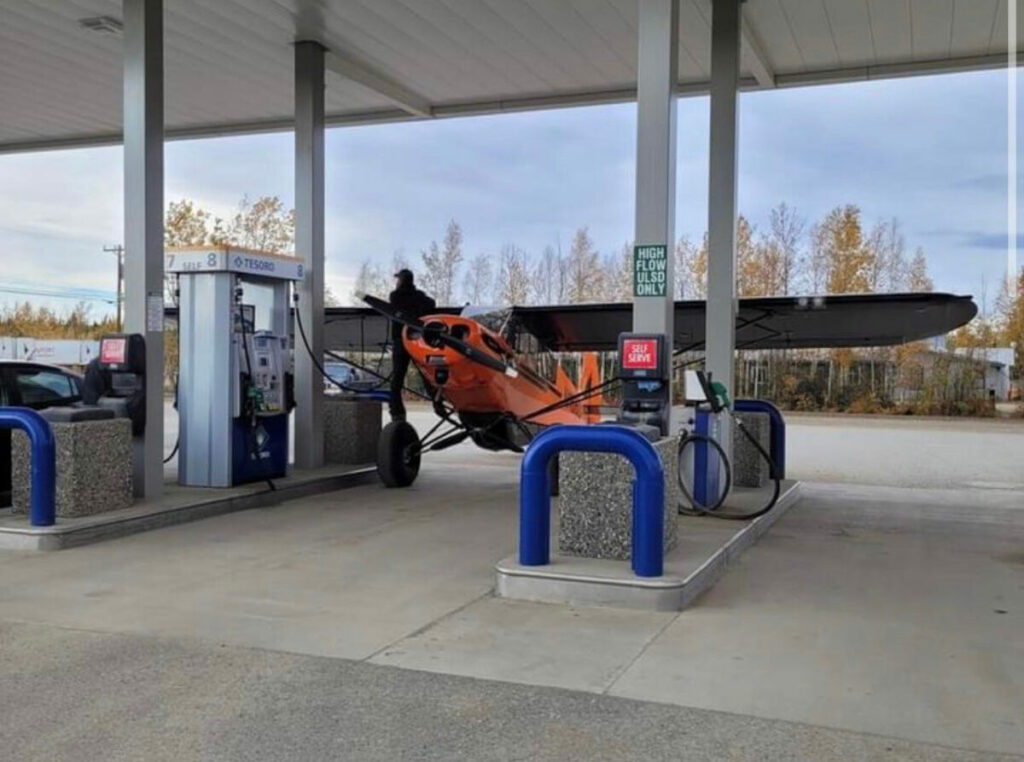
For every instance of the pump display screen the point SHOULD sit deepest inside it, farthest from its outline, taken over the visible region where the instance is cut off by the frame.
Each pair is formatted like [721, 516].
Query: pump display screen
[112, 351]
[639, 354]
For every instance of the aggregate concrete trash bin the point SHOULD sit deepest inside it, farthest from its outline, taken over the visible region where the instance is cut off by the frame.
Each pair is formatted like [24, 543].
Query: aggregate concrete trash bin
[94, 462]
[351, 430]
[749, 468]
[595, 502]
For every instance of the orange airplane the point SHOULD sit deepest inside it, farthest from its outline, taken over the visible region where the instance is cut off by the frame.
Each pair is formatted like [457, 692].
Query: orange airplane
[475, 372]
[492, 380]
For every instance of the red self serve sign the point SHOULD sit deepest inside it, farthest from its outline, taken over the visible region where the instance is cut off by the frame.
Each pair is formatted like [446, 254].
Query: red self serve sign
[640, 354]
[112, 351]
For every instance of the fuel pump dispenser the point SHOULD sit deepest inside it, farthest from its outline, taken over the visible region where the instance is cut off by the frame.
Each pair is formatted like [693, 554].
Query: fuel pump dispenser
[234, 380]
[643, 369]
[711, 464]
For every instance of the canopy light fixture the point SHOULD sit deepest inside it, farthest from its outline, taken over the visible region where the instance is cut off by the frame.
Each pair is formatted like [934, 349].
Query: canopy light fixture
[103, 25]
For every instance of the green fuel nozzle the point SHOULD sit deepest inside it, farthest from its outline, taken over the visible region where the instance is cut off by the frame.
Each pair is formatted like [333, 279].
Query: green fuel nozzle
[721, 396]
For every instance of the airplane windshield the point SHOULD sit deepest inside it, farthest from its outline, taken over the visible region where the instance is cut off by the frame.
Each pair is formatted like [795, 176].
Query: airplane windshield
[492, 318]
[530, 351]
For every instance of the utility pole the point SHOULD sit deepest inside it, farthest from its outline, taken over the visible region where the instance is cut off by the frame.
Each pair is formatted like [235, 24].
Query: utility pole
[119, 252]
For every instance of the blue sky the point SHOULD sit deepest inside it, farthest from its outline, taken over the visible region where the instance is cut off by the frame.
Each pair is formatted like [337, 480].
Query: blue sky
[930, 151]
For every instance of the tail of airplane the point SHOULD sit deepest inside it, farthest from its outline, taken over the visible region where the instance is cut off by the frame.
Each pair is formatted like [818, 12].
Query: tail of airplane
[590, 377]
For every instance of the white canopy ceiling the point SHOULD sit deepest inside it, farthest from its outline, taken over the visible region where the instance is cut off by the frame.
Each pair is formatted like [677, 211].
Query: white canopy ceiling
[229, 63]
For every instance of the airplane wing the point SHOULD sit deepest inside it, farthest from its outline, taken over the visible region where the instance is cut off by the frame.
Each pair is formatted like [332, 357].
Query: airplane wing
[358, 329]
[774, 322]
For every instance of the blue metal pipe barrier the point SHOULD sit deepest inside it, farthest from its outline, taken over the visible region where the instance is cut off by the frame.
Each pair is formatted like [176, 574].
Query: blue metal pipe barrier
[43, 507]
[648, 541]
[777, 430]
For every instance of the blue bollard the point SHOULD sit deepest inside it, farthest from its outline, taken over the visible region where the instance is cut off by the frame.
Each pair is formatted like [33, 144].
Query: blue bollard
[648, 540]
[777, 430]
[43, 508]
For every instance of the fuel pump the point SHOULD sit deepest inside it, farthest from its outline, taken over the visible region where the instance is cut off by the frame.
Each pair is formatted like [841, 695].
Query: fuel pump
[234, 380]
[712, 466]
[643, 369]
[260, 420]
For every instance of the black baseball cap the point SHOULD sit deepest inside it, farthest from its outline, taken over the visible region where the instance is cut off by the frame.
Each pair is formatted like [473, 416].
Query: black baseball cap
[405, 274]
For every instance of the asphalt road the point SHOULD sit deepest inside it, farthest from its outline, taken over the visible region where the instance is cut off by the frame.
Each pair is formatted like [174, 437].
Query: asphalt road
[879, 450]
[948, 453]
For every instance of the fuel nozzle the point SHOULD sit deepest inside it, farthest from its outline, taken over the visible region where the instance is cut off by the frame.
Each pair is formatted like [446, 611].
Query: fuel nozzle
[719, 396]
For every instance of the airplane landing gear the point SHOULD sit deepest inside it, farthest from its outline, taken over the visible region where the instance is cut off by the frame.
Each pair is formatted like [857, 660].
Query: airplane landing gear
[398, 454]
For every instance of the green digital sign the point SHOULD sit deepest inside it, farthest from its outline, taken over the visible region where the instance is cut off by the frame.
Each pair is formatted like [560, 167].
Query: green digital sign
[650, 270]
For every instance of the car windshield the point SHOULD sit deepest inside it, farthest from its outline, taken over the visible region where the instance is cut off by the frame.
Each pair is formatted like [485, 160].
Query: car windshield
[338, 371]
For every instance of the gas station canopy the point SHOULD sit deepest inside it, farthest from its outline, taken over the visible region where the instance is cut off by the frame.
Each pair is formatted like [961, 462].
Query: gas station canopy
[93, 72]
[229, 64]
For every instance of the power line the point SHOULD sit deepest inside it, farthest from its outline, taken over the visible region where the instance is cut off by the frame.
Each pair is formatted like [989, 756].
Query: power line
[118, 251]
[57, 292]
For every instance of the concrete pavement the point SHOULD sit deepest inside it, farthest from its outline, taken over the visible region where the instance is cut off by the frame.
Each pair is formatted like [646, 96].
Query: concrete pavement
[360, 625]
[77, 695]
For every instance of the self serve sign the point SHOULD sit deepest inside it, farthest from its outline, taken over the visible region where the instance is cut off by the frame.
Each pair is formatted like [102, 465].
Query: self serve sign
[640, 354]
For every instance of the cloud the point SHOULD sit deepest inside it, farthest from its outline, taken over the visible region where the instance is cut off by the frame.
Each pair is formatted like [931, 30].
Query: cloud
[928, 150]
[991, 240]
[994, 183]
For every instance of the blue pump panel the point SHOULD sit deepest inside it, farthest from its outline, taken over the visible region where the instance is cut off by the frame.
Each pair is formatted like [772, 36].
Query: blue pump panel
[706, 463]
[259, 453]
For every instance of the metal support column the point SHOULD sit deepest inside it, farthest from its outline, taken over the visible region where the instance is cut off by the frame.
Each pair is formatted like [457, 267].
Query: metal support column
[309, 245]
[144, 219]
[720, 327]
[657, 73]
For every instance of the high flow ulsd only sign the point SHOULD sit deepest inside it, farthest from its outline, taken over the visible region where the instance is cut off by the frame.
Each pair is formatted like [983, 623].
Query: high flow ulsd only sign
[650, 270]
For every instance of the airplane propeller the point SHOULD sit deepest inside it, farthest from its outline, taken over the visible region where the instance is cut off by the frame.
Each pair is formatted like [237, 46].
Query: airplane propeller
[441, 337]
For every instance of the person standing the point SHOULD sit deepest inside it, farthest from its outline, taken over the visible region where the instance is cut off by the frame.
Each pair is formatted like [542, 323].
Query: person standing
[410, 303]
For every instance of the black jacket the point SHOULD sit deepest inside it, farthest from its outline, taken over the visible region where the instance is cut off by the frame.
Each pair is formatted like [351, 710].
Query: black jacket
[410, 302]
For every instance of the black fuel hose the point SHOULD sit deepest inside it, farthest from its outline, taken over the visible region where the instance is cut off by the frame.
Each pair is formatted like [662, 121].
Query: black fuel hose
[317, 364]
[173, 451]
[694, 509]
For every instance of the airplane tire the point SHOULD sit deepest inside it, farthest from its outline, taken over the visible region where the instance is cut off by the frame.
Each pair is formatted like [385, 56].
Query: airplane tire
[395, 466]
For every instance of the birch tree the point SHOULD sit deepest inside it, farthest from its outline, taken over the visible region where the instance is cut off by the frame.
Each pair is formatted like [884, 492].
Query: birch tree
[787, 229]
[697, 271]
[512, 286]
[684, 253]
[751, 274]
[1010, 306]
[186, 224]
[917, 275]
[548, 279]
[479, 280]
[617, 278]
[848, 261]
[263, 224]
[399, 261]
[441, 265]
[369, 280]
[583, 269]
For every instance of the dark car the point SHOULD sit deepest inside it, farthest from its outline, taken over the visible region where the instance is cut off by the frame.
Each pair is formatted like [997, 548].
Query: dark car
[35, 385]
